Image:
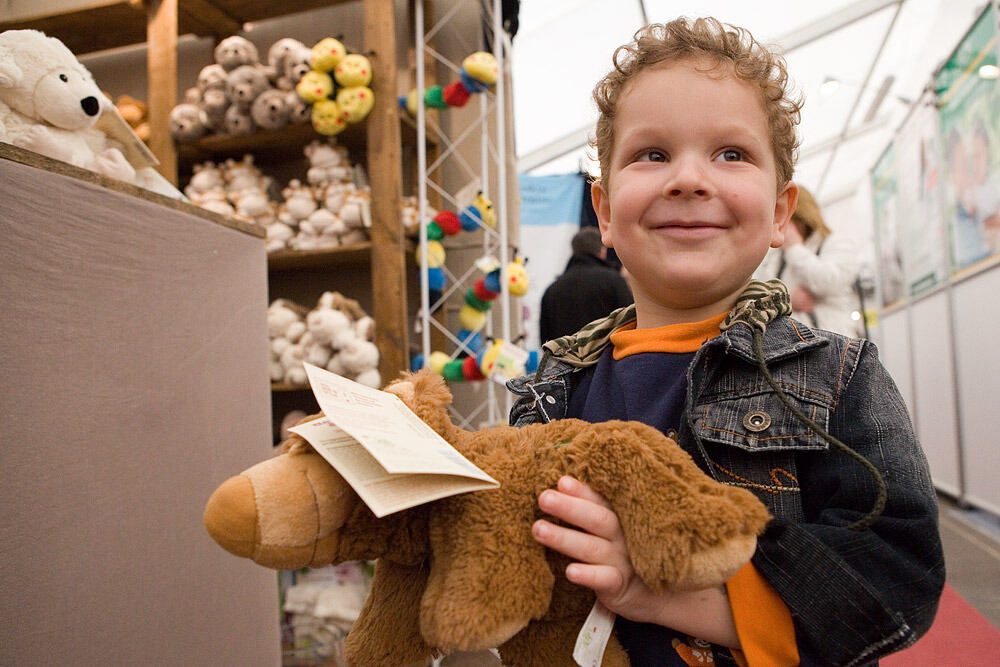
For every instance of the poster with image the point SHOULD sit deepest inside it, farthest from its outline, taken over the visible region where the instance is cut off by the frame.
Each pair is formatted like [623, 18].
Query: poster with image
[969, 107]
[923, 234]
[885, 202]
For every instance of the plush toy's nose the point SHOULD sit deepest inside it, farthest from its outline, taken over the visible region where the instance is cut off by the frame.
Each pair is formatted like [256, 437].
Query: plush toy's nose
[231, 516]
[90, 105]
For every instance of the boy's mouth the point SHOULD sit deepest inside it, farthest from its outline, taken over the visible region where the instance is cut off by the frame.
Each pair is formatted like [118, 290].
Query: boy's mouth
[688, 229]
[688, 224]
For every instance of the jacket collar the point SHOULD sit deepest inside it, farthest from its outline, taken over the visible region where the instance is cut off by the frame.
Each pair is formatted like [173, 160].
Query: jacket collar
[759, 306]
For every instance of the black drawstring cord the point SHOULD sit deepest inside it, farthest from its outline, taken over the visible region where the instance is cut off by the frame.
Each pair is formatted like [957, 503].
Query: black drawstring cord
[869, 519]
[541, 364]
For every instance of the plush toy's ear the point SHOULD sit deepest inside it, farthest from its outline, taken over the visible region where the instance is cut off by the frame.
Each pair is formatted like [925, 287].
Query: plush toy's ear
[10, 73]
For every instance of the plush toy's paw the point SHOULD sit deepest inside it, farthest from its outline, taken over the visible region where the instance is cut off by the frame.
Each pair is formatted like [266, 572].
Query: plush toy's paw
[715, 540]
[284, 513]
[112, 163]
[40, 139]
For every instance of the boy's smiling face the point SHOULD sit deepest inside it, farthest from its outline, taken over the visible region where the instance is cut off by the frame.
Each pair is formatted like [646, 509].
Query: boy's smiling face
[691, 203]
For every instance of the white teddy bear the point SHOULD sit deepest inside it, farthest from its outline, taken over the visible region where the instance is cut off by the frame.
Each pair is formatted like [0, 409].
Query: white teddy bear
[50, 104]
[359, 359]
[299, 204]
[328, 163]
[207, 176]
[213, 200]
[285, 320]
[319, 231]
[286, 327]
[279, 235]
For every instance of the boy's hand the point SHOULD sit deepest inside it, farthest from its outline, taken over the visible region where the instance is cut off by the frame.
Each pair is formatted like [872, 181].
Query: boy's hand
[599, 547]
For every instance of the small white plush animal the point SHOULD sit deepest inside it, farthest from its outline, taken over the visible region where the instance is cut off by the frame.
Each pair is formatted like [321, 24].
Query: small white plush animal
[50, 104]
[328, 163]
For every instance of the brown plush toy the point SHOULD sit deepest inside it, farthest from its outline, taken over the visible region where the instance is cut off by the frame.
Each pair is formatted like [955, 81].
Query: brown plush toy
[464, 573]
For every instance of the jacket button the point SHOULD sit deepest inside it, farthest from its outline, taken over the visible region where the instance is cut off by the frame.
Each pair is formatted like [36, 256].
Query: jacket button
[550, 399]
[756, 421]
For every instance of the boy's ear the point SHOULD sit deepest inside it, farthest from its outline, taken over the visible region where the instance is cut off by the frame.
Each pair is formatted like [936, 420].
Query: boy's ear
[784, 206]
[602, 207]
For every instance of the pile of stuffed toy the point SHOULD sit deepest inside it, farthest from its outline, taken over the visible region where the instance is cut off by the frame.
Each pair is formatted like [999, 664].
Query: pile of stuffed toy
[238, 94]
[336, 335]
[323, 210]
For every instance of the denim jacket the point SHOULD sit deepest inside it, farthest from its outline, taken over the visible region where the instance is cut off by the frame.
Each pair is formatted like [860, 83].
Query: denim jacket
[855, 593]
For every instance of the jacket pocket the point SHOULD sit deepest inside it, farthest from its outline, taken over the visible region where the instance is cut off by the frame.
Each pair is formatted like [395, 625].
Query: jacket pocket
[762, 422]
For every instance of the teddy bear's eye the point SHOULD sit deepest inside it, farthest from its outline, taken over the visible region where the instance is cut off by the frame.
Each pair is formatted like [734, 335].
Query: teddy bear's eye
[63, 78]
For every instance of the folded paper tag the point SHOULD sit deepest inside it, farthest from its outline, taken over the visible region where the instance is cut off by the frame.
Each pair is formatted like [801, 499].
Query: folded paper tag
[389, 456]
[134, 149]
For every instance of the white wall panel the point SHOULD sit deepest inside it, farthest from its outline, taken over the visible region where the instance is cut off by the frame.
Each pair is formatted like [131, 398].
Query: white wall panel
[934, 382]
[977, 323]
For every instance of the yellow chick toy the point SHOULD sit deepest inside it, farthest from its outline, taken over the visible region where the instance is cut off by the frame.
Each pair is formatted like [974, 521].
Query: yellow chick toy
[353, 70]
[356, 102]
[314, 86]
[482, 67]
[327, 54]
[327, 118]
[486, 211]
[517, 277]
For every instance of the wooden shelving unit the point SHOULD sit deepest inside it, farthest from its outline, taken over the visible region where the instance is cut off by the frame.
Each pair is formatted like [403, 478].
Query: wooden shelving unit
[105, 24]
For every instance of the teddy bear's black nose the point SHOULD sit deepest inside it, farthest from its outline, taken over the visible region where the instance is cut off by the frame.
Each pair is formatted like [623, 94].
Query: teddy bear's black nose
[90, 105]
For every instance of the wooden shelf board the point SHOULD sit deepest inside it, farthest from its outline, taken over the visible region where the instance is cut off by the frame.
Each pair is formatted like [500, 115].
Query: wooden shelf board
[279, 145]
[285, 260]
[280, 386]
[31, 159]
[107, 24]
[283, 144]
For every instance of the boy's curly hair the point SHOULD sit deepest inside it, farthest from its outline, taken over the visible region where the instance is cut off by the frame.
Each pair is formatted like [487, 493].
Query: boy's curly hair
[683, 38]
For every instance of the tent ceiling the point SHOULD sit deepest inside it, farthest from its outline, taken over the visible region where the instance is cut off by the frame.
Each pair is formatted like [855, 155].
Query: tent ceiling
[861, 43]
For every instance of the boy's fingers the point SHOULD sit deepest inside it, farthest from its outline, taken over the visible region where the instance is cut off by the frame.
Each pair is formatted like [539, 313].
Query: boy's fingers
[600, 578]
[573, 543]
[588, 515]
[575, 487]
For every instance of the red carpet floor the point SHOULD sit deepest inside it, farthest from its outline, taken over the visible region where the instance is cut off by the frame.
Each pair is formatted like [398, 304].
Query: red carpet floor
[960, 636]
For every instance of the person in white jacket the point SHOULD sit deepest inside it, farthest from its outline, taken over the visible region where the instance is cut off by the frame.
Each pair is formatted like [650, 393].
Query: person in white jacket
[820, 269]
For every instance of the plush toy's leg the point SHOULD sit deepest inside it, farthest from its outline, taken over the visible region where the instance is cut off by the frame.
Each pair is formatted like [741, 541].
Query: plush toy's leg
[387, 632]
[684, 530]
[551, 644]
[489, 576]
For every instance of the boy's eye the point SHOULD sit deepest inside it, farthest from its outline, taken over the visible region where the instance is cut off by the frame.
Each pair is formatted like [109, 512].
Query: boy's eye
[731, 155]
[652, 156]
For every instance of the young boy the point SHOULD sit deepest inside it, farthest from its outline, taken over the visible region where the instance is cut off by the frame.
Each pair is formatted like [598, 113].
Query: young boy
[696, 141]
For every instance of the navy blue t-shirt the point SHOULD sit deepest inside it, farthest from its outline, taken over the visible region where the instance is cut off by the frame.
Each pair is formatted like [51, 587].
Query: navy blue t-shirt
[649, 387]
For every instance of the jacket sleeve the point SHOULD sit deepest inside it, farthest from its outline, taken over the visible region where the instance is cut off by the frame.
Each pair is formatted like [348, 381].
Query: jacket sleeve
[856, 595]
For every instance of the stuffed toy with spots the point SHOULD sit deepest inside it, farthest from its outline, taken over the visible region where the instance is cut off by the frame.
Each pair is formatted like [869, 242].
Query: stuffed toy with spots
[463, 572]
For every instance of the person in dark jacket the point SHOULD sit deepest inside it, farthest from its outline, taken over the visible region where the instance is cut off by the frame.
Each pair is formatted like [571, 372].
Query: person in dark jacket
[587, 290]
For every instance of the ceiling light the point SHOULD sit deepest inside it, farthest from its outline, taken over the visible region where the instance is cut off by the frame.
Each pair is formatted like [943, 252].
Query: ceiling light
[829, 86]
[989, 72]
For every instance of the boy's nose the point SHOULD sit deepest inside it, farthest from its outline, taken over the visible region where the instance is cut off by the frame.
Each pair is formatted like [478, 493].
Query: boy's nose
[686, 179]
